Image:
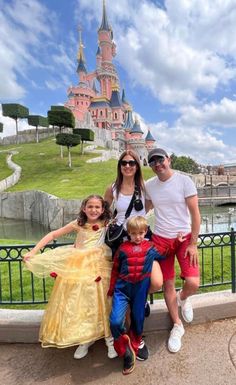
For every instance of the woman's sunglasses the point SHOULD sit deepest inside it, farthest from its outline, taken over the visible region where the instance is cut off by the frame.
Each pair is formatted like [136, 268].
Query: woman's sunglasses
[131, 163]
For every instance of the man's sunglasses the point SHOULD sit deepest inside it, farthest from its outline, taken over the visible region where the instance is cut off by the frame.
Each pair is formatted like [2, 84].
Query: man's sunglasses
[131, 163]
[157, 160]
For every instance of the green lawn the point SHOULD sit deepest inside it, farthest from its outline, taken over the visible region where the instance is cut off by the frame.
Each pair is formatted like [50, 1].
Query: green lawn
[43, 169]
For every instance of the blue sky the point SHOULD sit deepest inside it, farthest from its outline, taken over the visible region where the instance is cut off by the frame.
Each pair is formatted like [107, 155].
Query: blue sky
[176, 60]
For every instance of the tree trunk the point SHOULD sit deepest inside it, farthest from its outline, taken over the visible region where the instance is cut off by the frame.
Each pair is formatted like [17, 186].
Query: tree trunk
[69, 157]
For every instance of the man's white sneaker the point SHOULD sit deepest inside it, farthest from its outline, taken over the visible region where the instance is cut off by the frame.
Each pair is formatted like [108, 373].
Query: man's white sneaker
[111, 353]
[186, 308]
[82, 350]
[174, 342]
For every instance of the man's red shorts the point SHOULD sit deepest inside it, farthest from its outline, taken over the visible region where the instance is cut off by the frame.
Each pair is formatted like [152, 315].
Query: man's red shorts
[171, 247]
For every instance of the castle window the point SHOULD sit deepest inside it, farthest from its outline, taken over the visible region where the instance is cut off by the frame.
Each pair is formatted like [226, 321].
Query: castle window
[115, 115]
[100, 113]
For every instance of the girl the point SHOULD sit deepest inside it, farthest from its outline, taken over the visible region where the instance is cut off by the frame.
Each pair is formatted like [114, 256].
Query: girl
[78, 309]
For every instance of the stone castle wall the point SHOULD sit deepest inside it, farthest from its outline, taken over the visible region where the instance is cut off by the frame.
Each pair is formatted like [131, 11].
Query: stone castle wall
[40, 207]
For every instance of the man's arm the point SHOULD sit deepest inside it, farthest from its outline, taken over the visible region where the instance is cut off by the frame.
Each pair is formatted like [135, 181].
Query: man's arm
[192, 203]
[148, 205]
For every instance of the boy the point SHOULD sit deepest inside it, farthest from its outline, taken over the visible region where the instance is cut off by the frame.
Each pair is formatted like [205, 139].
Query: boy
[129, 285]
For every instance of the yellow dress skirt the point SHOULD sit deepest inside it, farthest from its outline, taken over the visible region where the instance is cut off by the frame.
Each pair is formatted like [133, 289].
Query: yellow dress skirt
[78, 309]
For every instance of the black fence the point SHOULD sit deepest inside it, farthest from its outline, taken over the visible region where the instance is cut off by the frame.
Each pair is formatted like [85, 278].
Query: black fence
[20, 287]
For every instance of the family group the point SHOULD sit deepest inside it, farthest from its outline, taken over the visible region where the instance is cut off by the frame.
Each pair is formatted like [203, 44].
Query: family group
[102, 283]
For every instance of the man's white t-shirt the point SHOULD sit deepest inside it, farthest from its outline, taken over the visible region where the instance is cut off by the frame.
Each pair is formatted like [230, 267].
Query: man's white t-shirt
[170, 208]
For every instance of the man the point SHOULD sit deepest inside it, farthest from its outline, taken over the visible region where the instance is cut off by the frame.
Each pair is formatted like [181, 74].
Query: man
[177, 224]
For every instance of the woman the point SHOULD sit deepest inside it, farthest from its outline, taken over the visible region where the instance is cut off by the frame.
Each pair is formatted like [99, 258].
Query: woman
[129, 179]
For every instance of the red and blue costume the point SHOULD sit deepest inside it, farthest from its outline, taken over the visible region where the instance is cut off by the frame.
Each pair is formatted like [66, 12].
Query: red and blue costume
[129, 285]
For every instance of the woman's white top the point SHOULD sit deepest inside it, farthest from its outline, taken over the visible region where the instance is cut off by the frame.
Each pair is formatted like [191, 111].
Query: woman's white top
[122, 203]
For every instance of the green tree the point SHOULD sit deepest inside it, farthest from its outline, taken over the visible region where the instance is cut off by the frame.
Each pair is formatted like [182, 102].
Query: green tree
[1, 127]
[86, 135]
[36, 121]
[184, 163]
[15, 111]
[61, 117]
[68, 140]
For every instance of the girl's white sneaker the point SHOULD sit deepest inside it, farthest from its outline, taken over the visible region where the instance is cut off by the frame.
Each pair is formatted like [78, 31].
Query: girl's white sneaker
[110, 347]
[82, 350]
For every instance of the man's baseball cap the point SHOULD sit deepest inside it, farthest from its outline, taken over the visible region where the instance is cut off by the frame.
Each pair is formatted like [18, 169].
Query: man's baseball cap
[157, 152]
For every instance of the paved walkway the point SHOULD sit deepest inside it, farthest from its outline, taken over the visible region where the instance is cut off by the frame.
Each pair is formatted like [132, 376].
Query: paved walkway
[208, 357]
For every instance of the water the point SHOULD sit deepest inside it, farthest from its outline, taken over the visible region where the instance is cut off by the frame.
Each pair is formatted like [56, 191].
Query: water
[24, 230]
[214, 220]
[218, 219]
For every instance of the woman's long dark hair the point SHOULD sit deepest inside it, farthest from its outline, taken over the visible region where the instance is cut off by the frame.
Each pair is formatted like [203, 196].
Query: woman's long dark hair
[138, 178]
[106, 215]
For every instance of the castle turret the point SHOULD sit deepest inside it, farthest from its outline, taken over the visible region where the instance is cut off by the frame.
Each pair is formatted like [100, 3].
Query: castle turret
[149, 140]
[81, 68]
[136, 131]
[106, 73]
[117, 107]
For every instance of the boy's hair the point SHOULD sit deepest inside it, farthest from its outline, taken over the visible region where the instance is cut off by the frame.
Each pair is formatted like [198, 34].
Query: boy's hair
[137, 223]
[106, 215]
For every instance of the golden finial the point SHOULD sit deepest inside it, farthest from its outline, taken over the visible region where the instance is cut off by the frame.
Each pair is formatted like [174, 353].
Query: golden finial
[115, 85]
[81, 46]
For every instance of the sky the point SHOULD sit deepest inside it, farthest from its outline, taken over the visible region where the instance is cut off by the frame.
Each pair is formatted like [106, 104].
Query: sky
[176, 60]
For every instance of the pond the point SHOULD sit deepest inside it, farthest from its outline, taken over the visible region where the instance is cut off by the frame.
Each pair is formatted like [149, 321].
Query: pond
[214, 219]
[218, 219]
[24, 230]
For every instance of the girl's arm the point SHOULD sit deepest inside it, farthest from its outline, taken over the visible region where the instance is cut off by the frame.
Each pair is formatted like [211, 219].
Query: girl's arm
[50, 237]
[108, 196]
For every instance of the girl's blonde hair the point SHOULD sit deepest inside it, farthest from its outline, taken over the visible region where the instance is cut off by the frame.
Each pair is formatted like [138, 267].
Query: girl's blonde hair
[137, 223]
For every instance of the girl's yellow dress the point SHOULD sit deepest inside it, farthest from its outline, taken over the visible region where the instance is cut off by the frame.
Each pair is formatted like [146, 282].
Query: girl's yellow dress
[78, 309]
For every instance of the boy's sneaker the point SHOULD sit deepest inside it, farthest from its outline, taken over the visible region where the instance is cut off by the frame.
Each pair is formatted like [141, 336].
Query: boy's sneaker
[174, 342]
[110, 347]
[82, 350]
[186, 308]
[147, 310]
[142, 353]
[129, 359]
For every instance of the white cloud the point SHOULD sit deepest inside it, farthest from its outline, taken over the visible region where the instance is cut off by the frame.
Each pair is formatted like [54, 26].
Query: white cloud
[222, 114]
[175, 53]
[28, 33]
[198, 132]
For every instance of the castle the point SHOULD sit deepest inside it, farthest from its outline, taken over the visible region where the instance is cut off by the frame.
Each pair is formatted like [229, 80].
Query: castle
[96, 102]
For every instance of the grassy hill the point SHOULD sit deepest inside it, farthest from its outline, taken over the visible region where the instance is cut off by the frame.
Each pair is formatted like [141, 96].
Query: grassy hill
[43, 169]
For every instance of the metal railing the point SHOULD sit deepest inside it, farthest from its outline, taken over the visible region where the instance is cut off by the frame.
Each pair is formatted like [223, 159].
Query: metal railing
[19, 287]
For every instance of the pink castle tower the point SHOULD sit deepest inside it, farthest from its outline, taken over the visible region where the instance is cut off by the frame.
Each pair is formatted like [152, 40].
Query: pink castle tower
[150, 141]
[108, 111]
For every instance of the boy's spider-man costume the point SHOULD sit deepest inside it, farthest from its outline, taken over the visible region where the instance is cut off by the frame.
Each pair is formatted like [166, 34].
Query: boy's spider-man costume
[130, 281]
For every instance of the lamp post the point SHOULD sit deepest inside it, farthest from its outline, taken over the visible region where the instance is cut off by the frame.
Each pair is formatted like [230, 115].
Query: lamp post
[211, 182]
